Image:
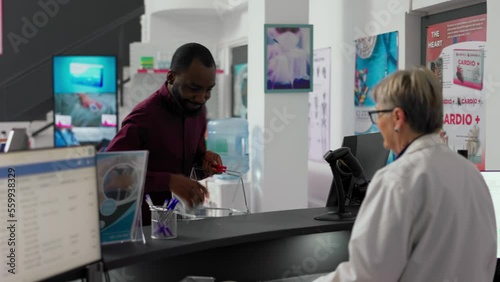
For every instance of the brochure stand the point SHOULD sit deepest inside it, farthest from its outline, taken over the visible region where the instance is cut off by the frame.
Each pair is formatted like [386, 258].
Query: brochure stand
[121, 177]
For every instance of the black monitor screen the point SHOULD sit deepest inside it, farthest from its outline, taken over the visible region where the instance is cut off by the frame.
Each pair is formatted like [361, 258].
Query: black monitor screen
[369, 150]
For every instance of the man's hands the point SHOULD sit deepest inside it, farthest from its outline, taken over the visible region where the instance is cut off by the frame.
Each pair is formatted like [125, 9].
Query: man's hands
[192, 192]
[211, 159]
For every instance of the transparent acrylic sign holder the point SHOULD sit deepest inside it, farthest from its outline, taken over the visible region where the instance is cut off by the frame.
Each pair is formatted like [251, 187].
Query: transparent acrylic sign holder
[210, 211]
[121, 177]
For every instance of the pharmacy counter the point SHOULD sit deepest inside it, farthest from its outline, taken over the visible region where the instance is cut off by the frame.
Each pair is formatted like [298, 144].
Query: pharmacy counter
[261, 246]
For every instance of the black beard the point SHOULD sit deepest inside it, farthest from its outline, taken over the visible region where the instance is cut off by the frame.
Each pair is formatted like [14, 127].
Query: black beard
[182, 103]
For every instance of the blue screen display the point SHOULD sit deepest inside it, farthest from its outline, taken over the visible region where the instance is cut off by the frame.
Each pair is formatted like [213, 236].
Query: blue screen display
[85, 100]
[84, 74]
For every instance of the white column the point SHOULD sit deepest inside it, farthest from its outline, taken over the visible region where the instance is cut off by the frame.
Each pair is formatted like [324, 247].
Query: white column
[277, 122]
[333, 24]
[492, 84]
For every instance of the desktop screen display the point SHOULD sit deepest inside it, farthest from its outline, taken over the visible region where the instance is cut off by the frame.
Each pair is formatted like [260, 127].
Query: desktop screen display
[369, 151]
[492, 179]
[17, 140]
[50, 212]
[85, 100]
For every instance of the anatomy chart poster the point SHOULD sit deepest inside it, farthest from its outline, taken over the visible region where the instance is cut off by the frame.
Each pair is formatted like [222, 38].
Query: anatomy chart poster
[376, 58]
[319, 106]
[456, 53]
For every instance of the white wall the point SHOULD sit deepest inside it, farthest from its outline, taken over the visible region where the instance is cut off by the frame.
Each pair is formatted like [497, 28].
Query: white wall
[218, 24]
[325, 14]
[255, 100]
[235, 26]
[278, 122]
[337, 24]
[285, 158]
[492, 79]
[234, 33]
[173, 30]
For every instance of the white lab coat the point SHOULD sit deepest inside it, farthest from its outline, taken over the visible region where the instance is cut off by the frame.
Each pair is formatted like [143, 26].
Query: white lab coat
[428, 216]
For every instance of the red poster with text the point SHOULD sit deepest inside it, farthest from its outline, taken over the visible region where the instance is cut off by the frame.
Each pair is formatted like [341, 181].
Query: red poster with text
[456, 53]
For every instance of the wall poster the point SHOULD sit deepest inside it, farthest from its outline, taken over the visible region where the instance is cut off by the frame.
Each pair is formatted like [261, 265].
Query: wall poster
[456, 53]
[376, 58]
[288, 53]
[319, 106]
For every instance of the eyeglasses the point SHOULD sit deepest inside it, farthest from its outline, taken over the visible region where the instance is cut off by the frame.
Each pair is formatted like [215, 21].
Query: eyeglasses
[374, 114]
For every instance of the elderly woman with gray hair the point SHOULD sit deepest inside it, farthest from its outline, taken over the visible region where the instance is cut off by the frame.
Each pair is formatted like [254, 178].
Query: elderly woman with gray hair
[428, 216]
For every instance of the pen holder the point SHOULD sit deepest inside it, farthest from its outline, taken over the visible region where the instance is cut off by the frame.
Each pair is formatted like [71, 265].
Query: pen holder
[163, 223]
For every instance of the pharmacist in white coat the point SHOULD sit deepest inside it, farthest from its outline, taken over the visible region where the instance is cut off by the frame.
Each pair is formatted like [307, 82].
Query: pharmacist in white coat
[428, 216]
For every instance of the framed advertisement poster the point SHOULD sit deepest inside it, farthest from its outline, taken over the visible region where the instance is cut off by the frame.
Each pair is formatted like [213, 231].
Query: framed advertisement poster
[456, 52]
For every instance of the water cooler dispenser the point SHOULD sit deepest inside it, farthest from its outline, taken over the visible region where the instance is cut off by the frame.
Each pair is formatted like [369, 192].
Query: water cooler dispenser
[229, 138]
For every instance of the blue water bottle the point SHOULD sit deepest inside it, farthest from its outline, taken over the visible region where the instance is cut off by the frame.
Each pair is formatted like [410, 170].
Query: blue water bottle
[229, 138]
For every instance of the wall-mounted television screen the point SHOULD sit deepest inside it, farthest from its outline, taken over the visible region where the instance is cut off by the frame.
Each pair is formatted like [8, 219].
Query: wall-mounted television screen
[85, 100]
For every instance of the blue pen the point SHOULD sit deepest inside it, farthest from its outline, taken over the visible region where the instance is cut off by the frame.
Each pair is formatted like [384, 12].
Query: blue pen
[148, 200]
[163, 230]
[158, 229]
[172, 204]
[168, 230]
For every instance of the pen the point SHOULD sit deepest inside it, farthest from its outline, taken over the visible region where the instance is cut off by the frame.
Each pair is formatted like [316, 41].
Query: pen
[149, 201]
[172, 204]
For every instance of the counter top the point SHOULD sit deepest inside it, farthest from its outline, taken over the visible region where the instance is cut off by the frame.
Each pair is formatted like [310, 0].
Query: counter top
[210, 233]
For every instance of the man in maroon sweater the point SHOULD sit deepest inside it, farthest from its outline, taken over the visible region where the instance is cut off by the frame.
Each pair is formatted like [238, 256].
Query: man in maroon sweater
[171, 125]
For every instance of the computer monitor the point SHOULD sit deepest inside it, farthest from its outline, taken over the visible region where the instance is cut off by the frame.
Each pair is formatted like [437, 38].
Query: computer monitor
[50, 213]
[369, 150]
[18, 140]
[492, 179]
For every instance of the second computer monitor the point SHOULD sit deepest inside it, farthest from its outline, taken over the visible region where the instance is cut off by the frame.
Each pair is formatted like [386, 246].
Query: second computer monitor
[369, 151]
[18, 140]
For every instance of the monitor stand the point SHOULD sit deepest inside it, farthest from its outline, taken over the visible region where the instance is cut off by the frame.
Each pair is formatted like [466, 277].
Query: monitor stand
[340, 213]
[336, 216]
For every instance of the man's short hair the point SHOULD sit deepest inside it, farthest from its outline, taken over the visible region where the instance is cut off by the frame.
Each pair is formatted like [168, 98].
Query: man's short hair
[184, 56]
